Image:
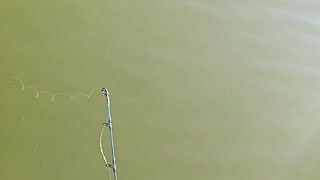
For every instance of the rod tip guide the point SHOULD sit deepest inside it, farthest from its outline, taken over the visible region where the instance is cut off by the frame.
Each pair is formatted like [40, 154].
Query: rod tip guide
[105, 91]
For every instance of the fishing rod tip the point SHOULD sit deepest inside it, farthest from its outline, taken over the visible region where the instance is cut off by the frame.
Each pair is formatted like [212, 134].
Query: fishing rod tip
[105, 91]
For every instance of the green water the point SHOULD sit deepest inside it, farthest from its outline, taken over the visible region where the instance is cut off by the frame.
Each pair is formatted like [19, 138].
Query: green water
[200, 90]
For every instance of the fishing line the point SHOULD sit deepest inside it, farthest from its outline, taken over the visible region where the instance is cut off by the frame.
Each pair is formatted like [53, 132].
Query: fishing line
[23, 87]
[102, 151]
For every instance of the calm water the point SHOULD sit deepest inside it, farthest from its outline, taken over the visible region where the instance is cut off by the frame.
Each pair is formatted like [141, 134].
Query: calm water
[204, 90]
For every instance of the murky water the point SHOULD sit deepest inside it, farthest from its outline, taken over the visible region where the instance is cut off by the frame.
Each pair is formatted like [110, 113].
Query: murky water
[199, 89]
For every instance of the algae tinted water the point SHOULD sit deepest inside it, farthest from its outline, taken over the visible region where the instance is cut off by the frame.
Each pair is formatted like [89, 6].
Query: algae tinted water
[199, 89]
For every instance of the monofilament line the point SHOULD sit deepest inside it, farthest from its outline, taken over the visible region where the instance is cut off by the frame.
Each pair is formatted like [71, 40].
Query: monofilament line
[102, 152]
[23, 87]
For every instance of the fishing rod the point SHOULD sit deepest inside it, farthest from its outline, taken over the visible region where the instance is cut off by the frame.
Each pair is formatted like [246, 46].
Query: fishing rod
[108, 124]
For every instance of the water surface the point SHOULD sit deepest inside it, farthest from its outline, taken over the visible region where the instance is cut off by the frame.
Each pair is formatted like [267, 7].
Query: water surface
[199, 89]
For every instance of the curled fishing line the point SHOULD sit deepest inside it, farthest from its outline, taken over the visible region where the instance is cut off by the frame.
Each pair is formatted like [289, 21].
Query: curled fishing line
[23, 87]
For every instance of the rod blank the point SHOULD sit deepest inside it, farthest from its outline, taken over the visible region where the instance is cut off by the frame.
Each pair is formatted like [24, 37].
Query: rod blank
[113, 164]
